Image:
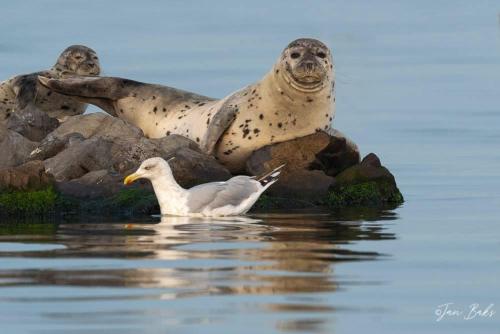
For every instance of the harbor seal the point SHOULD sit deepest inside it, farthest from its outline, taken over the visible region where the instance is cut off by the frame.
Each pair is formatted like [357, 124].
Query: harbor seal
[19, 91]
[296, 98]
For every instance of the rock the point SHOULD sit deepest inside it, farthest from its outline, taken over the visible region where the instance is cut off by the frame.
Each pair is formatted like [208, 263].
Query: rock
[340, 154]
[78, 159]
[365, 184]
[311, 162]
[365, 172]
[191, 168]
[371, 160]
[29, 176]
[14, 148]
[128, 153]
[96, 125]
[302, 184]
[297, 154]
[175, 142]
[94, 184]
[51, 146]
[331, 153]
[32, 123]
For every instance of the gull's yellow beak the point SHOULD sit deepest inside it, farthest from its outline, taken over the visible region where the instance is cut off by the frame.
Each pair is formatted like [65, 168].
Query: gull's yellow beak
[131, 178]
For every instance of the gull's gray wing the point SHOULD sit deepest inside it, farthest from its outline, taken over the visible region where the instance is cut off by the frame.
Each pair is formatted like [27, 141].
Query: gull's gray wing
[218, 194]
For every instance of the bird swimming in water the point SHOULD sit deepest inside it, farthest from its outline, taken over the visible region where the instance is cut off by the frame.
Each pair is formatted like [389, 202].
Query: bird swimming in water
[228, 198]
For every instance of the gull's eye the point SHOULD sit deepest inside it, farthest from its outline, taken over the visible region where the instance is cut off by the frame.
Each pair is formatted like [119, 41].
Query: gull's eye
[148, 167]
[321, 54]
[295, 55]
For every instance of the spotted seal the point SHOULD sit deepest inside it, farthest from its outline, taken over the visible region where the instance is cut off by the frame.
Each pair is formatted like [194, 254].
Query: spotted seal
[16, 93]
[296, 98]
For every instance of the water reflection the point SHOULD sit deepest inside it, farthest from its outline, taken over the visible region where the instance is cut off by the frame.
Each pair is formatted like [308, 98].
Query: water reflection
[263, 254]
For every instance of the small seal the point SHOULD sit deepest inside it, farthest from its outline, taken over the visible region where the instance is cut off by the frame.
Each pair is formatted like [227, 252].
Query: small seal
[294, 99]
[16, 93]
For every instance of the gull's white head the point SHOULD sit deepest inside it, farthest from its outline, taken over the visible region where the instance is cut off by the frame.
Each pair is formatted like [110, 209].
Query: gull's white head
[151, 169]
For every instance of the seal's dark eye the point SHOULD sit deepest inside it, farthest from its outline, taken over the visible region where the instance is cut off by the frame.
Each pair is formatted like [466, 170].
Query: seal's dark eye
[321, 54]
[78, 57]
[295, 55]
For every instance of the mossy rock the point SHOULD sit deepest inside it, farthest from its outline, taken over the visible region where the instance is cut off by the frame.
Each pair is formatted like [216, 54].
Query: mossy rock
[21, 227]
[372, 193]
[269, 203]
[365, 184]
[126, 202]
[48, 202]
[135, 200]
[34, 202]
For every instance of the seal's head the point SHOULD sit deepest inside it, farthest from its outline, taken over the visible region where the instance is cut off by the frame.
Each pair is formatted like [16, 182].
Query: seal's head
[306, 64]
[78, 59]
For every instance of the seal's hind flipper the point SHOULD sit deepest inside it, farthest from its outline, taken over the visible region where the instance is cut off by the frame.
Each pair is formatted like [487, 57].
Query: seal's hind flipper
[86, 87]
[101, 91]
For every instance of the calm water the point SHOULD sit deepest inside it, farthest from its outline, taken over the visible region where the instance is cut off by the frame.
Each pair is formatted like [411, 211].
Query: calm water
[417, 83]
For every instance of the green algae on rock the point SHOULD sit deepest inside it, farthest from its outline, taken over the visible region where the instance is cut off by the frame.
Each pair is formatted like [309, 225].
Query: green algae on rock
[371, 193]
[32, 202]
[365, 184]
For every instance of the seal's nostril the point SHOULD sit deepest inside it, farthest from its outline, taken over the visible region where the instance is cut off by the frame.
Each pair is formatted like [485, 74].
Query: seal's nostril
[309, 65]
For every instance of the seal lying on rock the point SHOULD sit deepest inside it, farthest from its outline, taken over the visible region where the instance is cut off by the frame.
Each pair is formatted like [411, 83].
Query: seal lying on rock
[296, 98]
[17, 92]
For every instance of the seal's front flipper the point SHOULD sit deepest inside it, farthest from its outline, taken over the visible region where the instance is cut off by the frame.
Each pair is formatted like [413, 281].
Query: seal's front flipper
[220, 123]
[100, 91]
[24, 87]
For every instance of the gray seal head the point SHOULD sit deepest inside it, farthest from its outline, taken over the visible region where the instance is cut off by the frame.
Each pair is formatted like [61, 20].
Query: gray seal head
[306, 64]
[78, 59]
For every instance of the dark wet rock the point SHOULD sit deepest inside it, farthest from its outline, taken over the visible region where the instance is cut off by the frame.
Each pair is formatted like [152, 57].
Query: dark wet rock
[32, 123]
[311, 162]
[15, 149]
[365, 172]
[330, 153]
[371, 160]
[29, 176]
[98, 183]
[297, 154]
[365, 184]
[340, 154]
[302, 184]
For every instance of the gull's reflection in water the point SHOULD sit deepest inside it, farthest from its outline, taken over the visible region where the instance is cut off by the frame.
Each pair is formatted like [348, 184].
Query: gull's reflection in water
[264, 254]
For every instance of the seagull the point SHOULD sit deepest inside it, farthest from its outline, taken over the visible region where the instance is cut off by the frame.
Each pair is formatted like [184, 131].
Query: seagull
[229, 198]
